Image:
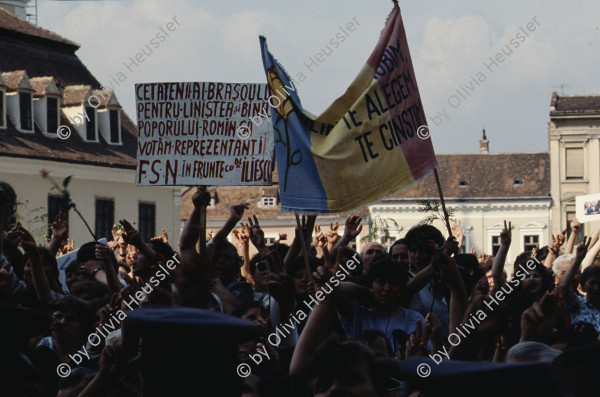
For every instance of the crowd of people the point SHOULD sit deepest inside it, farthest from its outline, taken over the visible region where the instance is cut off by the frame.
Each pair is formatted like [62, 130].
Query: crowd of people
[313, 318]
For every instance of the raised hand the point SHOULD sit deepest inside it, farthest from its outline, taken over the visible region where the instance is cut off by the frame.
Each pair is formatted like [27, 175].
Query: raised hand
[201, 197]
[130, 234]
[538, 321]
[575, 225]
[332, 235]
[319, 240]
[582, 248]
[458, 232]
[60, 227]
[103, 253]
[257, 236]
[506, 234]
[451, 246]
[352, 227]
[236, 212]
[416, 345]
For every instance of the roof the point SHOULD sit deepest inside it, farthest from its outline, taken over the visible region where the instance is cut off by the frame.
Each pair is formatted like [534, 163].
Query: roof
[47, 58]
[487, 176]
[226, 196]
[40, 52]
[14, 24]
[16, 79]
[75, 95]
[43, 86]
[563, 105]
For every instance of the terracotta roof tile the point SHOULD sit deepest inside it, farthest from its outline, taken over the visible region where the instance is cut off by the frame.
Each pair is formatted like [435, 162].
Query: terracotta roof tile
[574, 104]
[74, 95]
[41, 84]
[13, 79]
[11, 22]
[487, 176]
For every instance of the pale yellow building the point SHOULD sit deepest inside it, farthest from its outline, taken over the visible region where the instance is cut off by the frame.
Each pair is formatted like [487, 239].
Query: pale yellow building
[574, 140]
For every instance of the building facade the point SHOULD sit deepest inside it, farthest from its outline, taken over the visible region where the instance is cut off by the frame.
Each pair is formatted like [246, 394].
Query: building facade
[56, 117]
[574, 143]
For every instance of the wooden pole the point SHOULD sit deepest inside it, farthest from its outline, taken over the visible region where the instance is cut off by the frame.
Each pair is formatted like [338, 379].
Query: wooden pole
[437, 180]
[304, 252]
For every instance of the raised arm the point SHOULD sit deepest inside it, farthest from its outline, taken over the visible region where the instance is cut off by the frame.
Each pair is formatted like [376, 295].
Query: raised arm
[243, 243]
[575, 225]
[567, 280]
[352, 229]
[500, 258]
[449, 273]
[307, 225]
[192, 228]
[40, 281]
[60, 230]
[104, 254]
[591, 255]
[236, 212]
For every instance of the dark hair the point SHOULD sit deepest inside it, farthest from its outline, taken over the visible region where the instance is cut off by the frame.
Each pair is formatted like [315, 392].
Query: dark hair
[87, 252]
[80, 308]
[383, 267]
[542, 253]
[95, 289]
[298, 264]
[418, 236]
[593, 270]
[348, 252]
[398, 242]
[368, 336]
[545, 273]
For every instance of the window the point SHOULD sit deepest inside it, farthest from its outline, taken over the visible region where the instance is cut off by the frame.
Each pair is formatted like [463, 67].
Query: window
[495, 245]
[463, 184]
[530, 242]
[105, 217]
[268, 201]
[2, 109]
[25, 107]
[518, 182]
[570, 216]
[114, 125]
[270, 240]
[147, 220]
[574, 161]
[52, 114]
[56, 204]
[90, 126]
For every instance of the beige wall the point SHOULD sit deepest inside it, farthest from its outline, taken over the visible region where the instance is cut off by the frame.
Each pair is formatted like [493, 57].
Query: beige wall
[573, 132]
[87, 184]
[481, 221]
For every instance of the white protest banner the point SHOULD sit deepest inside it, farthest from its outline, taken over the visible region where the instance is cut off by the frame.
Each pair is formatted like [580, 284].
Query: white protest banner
[203, 133]
[587, 208]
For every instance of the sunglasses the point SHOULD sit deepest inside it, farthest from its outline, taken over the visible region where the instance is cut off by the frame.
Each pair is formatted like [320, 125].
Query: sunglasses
[261, 267]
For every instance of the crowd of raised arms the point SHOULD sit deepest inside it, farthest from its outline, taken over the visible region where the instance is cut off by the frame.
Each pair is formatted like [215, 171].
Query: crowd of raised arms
[201, 317]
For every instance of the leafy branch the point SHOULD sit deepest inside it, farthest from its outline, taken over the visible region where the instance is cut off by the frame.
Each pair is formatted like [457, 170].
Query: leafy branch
[434, 211]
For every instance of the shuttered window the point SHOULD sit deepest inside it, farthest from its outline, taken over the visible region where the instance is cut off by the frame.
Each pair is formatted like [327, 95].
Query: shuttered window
[574, 160]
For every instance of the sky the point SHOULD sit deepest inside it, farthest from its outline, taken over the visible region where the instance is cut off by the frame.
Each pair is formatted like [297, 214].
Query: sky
[450, 44]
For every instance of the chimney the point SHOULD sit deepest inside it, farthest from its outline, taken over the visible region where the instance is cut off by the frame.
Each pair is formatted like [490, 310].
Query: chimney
[484, 144]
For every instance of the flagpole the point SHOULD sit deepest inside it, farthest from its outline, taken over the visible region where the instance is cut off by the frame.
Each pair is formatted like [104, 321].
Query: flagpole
[304, 252]
[439, 186]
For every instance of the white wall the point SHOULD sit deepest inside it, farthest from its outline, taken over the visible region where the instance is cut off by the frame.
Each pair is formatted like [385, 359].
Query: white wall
[87, 184]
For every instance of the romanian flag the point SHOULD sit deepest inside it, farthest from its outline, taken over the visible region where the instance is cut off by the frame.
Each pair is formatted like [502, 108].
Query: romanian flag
[370, 143]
